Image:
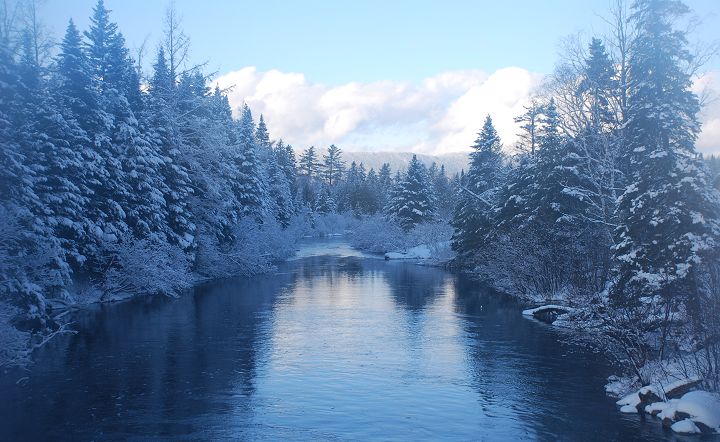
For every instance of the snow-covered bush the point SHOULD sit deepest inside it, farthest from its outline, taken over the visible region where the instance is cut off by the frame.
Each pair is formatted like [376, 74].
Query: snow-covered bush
[430, 233]
[378, 234]
[140, 267]
[14, 344]
[254, 250]
[325, 224]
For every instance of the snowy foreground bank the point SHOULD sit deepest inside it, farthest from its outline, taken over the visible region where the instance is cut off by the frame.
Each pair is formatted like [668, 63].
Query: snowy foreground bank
[676, 401]
[695, 412]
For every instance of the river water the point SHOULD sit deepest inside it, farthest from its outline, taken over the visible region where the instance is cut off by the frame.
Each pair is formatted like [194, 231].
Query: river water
[334, 345]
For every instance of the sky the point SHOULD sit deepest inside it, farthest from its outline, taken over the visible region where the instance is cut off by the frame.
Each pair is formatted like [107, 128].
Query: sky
[379, 75]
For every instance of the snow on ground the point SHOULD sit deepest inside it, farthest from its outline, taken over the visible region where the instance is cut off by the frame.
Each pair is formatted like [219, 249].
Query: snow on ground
[685, 426]
[418, 252]
[436, 252]
[547, 308]
[702, 407]
[657, 407]
[629, 409]
[695, 412]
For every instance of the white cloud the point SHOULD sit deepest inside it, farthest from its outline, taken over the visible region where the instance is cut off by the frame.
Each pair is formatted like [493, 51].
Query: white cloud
[708, 87]
[439, 114]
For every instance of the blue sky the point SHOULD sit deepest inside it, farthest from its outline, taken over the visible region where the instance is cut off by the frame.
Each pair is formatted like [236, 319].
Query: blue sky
[339, 41]
[377, 75]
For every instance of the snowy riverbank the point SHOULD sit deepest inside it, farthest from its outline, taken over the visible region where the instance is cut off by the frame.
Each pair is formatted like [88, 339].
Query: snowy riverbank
[673, 392]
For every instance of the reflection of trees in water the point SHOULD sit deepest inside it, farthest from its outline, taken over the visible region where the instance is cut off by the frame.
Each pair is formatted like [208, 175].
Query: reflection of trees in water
[331, 267]
[513, 360]
[413, 286]
[154, 362]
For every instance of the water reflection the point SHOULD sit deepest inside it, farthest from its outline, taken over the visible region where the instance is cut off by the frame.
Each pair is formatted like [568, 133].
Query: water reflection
[328, 347]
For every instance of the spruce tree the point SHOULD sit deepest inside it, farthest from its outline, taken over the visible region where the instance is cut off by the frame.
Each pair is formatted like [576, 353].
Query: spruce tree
[74, 82]
[107, 55]
[412, 201]
[252, 193]
[599, 85]
[670, 216]
[473, 216]
[161, 114]
[333, 165]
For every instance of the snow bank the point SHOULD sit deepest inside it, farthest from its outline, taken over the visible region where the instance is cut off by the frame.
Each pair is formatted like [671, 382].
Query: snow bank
[547, 308]
[629, 409]
[418, 252]
[436, 252]
[696, 412]
[550, 313]
[702, 407]
[685, 426]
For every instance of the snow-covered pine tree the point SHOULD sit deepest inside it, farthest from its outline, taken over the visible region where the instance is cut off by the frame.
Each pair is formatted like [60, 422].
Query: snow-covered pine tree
[161, 116]
[79, 103]
[529, 124]
[371, 196]
[308, 164]
[473, 216]
[412, 201]
[669, 214]
[281, 182]
[599, 86]
[351, 192]
[333, 165]
[58, 151]
[106, 52]
[19, 204]
[325, 202]
[262, 136]
[252, 192]
[385, 183]
[308, 173]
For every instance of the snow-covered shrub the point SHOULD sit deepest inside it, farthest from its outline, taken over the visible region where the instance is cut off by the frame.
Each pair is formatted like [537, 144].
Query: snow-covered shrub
[139, 267]
[430, 233]
[324, 224]
[254, 250]
[14, 344]
[378, 234]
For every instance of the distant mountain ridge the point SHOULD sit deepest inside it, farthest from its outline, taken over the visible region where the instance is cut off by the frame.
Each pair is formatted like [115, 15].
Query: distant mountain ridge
[454, 162]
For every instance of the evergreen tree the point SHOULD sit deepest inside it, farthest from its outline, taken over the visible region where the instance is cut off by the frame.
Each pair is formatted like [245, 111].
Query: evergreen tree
[281, 182]
[412, 201]
[108, 58]
[252, 191]
[670, 215]
[599, 85]
[473, 217]
[308, 164]
[261, 134]
[530, 125]
[74, 82]
[325, 202]
[333, 165]
[165, 137]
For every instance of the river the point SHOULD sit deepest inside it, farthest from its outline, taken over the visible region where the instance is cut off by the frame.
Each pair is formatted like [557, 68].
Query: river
[334, 345]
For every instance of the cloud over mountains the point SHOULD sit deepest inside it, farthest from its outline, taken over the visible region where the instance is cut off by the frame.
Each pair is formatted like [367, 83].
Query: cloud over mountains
[437, 115]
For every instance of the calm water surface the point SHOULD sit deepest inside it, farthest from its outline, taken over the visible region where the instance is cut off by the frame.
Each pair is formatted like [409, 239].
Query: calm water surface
[334, 345]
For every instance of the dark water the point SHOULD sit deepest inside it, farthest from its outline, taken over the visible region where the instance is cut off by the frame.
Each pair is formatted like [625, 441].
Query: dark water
[326, 348]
